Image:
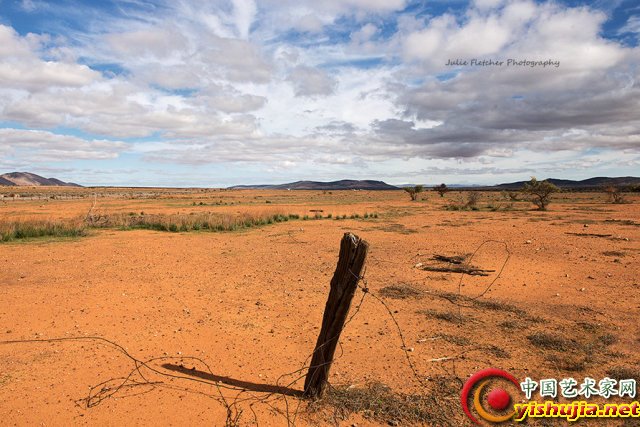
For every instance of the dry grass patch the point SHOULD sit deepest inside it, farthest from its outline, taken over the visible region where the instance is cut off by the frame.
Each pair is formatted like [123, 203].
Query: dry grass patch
[33, 229]
[623, 372]
[510, 325]
[568, 362]
[483, 304]
[584, 349]
[454, 339]
[396, 228]
[447, 316]
[617, 254]
[547, 341]
[401, 291]
[378, 402]
[18, 230]
[497, 352]
[4, 379]
[206, 221]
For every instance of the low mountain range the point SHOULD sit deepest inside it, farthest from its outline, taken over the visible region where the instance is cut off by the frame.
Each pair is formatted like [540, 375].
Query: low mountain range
[26, 179]
[345, 184]
[585, 184]
[597, 183]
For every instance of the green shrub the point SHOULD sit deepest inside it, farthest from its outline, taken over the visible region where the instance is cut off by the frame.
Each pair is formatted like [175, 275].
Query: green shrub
[414, 191]
[540, 192]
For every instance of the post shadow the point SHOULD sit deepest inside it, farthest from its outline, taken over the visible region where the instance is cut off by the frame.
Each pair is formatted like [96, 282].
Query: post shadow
[246, 385]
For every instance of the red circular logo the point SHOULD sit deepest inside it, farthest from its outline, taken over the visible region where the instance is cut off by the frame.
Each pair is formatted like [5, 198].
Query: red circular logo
[498, 398]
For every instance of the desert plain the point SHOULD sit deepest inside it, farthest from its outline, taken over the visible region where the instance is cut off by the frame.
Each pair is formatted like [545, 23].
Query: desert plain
[130, 326]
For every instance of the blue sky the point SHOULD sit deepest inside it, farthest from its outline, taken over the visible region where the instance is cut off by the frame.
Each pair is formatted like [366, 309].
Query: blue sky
[183, 93]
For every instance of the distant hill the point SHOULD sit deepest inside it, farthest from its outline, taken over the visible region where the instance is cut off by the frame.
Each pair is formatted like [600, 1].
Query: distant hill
[345, 184]
[31, 179]
[585, 184]
[5, 182]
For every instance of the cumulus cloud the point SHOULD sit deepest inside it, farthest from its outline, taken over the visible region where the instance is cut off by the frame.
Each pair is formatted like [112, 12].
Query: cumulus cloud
[533, 107]
[46, 146]
[310, 81]
[21, 68]
[155, 42]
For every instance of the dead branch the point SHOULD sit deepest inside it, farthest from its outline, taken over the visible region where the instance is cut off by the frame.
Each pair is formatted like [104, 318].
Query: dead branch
[456, 259]
[589, 234]
[464, 269]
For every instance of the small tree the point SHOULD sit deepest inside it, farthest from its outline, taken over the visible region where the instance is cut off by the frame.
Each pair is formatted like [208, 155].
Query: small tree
[442, 189]
[510, 195]
[473, 198]
[614, 194]
[540, 191]
[414, 191]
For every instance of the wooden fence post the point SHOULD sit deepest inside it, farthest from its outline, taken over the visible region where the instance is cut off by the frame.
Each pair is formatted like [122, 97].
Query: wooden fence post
[353, 252]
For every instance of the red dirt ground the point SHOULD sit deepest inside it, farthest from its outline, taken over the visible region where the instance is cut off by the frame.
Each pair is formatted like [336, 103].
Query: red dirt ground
[250, 303]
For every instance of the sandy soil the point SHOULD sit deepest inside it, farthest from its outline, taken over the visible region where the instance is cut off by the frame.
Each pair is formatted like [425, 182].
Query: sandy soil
[250, 303]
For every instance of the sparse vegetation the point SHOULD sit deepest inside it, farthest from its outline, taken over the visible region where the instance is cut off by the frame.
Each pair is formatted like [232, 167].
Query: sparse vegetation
[540, 192]
[623, 372]
[577, 353]
[514, 196]
[618, 254]
[447, 316]
[472, 322]
[4, 379]
[191, 222]
[401, 291]
[378, 402]
[216, 222]
[442, 189]
[366, 215]
[473, 198]
[453, 339]
[414, 191]
[471, 203]
[614, 195]
[548, 341]
[31, 229]
[396, 228]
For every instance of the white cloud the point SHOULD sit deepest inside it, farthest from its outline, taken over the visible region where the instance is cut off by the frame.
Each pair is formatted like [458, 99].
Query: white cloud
[43, 146]
[520, 29]
[28, 5]
[158, 43]
[21, 68]
[365, 33]
[42, 74]
[631, 26]
[310, 81]
[309, 22]
[244, 13]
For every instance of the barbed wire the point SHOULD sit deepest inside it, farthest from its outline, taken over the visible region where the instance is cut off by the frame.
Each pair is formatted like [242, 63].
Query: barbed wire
[109, 388]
